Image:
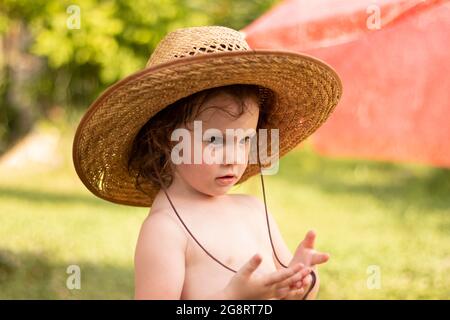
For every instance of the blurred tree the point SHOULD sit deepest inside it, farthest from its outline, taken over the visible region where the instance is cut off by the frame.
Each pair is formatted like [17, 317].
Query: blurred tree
[61, 54]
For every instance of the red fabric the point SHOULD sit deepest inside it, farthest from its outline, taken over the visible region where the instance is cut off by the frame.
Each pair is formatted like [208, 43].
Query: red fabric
[396, 79]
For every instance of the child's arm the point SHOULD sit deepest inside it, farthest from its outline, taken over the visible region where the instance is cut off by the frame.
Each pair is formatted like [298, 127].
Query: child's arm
[160, 259]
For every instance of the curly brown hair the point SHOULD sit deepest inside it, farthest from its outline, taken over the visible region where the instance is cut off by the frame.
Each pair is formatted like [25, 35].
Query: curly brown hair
[150, 152]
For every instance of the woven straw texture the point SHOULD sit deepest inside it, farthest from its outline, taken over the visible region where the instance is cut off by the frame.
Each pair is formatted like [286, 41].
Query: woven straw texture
[305, 91]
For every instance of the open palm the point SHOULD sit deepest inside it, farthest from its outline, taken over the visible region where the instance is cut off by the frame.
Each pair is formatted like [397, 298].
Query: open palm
[308, 256]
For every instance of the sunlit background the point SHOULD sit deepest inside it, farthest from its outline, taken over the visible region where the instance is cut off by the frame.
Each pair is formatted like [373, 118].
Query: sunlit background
[380, 208]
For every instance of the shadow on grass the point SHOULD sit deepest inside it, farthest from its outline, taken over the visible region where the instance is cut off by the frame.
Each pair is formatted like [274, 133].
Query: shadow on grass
[393, 184]
[38, 196]
[25, 275]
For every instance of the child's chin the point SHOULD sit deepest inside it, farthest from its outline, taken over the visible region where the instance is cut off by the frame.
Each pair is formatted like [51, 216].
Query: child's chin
[220, 190]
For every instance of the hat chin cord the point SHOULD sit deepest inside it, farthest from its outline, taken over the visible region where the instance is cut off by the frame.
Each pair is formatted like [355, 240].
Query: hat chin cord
[268, 228]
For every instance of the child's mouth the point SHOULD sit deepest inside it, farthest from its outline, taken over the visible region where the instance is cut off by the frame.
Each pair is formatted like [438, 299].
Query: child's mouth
[226, 180]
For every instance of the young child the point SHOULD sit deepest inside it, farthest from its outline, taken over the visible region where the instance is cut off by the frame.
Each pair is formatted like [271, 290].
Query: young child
[126, 147]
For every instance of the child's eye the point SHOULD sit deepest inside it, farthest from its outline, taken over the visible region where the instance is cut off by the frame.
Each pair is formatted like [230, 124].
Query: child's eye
[245, 140]
[214, 140]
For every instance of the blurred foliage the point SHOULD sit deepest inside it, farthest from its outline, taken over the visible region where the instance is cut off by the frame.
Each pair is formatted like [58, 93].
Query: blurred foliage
[47, 62]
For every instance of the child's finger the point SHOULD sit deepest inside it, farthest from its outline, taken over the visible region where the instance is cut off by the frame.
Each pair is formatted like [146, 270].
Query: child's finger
[319, 258]
[250, 266]
[303, 274]
[282, 293]
[306, 283]
[310, 237]
[281, 275]
[290, 282]
[295, 292]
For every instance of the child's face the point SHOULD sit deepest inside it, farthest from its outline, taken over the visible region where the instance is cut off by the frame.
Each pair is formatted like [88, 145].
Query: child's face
[203, 177]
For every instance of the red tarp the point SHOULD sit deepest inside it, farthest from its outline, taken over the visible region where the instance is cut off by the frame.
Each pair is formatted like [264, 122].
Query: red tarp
[396, 79]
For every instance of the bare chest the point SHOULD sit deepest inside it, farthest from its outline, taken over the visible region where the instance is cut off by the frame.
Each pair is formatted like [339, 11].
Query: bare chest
[232, 239]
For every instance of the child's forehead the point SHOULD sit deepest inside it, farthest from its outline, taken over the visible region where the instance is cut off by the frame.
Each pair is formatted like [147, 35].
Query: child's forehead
[224, 107]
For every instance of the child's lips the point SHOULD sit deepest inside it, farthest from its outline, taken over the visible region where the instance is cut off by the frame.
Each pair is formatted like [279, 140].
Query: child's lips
[226, 180]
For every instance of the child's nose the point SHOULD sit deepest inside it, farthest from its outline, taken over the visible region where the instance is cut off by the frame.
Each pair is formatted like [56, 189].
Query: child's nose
[234, 153]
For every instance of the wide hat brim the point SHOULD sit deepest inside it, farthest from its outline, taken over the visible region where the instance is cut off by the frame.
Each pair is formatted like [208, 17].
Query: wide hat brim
[306, 92]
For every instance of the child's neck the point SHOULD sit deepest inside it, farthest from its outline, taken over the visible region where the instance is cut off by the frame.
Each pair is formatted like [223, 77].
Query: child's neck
[182, 191]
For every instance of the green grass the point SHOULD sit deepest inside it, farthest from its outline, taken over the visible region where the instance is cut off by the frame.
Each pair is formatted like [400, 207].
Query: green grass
[394, 216]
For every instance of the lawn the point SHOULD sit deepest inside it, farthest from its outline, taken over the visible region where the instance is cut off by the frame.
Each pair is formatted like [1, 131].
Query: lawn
[385, 225]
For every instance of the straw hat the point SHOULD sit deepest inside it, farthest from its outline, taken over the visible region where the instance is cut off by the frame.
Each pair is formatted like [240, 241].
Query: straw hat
[186, 61]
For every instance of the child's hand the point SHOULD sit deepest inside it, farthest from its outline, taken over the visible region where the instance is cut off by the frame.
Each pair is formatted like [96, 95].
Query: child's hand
[307, 255]
[247, 285]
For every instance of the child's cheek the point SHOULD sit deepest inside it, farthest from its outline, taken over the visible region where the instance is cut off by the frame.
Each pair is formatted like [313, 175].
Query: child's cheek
[204, 173]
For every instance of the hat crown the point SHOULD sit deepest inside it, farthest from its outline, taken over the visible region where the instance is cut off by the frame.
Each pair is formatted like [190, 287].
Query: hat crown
[192, 41]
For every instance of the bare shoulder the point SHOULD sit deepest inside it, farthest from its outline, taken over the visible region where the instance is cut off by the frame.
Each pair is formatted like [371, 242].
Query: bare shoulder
[161, 225]
[159, 258]
[159, 233]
